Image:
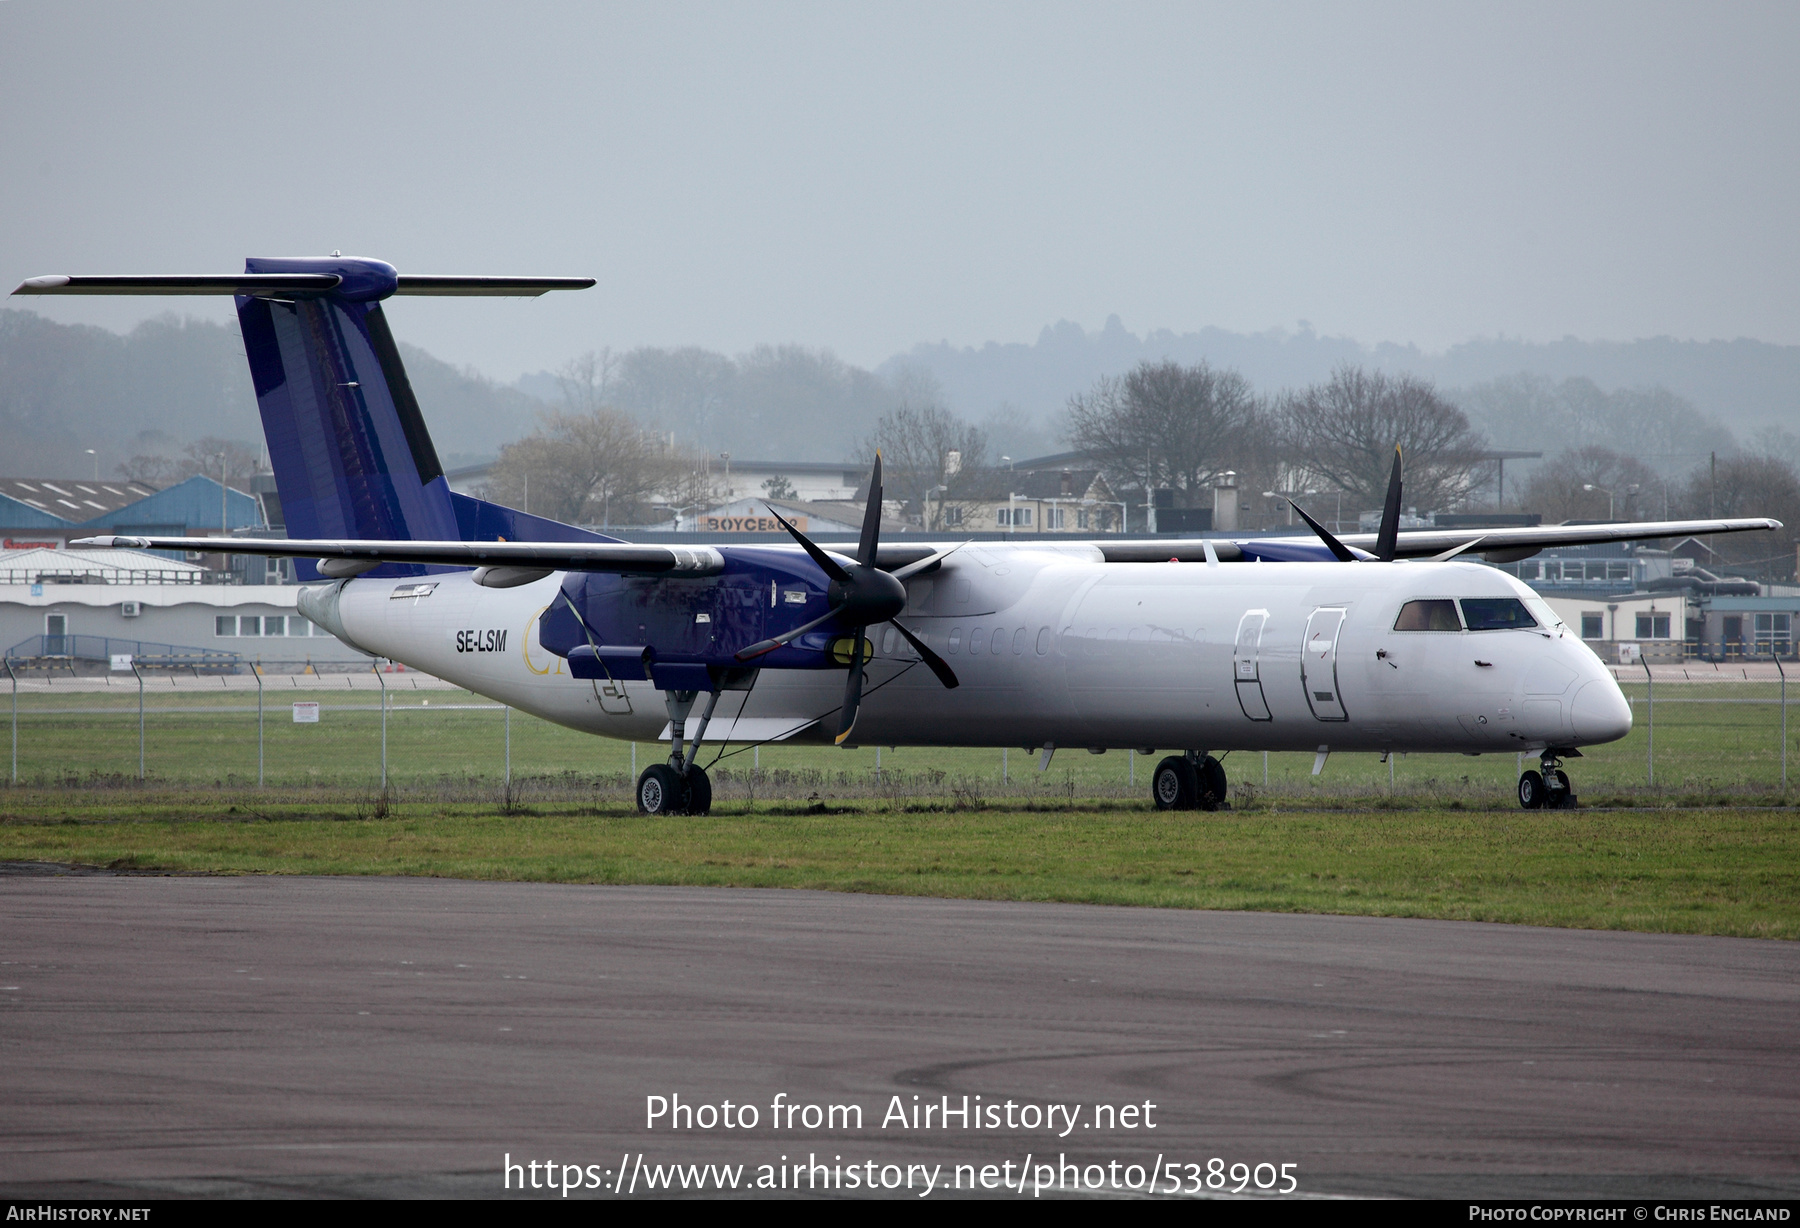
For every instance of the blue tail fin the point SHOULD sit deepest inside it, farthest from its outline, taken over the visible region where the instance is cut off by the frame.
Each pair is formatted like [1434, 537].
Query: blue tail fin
[351, 454]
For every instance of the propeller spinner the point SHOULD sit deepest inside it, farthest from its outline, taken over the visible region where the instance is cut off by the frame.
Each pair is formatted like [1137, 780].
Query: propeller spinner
[861, 595]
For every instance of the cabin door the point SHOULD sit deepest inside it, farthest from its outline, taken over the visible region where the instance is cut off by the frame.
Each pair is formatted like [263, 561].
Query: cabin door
[1318, 665]
[1248, 667]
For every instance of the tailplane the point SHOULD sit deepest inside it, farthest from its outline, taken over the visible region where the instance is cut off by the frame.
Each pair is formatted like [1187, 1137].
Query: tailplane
[347, 440]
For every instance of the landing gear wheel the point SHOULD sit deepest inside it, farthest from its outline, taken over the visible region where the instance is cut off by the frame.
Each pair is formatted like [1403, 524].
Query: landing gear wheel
[1532, 792]
[660, 791]
[1210, 793]
[699, 790]
[1174, 785]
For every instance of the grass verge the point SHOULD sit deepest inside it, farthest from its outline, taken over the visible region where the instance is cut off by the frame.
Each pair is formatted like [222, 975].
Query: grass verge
[1716, 870]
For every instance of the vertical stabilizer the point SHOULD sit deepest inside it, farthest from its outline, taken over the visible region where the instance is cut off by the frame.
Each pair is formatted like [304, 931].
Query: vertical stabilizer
[351, 454]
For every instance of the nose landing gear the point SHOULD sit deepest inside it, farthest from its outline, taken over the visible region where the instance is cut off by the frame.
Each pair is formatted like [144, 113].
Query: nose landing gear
[1190, 781]
[1548, 788]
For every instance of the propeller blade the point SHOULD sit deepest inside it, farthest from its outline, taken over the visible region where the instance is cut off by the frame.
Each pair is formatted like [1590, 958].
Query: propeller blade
[826, 563]
[928, 563]
[1337, 548]
[1387, 541]
[938, 665]
[852, 692]
[762, 647]
[871, 525]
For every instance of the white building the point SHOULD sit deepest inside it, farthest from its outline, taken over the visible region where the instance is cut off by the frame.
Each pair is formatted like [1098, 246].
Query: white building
[82, 608]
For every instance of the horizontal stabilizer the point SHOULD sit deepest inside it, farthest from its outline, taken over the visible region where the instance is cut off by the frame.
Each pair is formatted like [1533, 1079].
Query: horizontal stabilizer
[288, 285]
[514, 287]
[185, 283]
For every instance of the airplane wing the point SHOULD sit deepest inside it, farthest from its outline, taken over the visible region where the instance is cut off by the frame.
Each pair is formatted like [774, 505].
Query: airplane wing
[624, 558]
[1495, 545]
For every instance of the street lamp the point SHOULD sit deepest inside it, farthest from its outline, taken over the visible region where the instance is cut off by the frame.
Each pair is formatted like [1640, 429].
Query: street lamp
[96, 457]
[1631, 490]
[1289, 496]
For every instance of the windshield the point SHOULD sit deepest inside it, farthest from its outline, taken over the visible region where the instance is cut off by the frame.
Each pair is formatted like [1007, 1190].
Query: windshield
[1496, 614]
[1428, 616]
[1545, 615]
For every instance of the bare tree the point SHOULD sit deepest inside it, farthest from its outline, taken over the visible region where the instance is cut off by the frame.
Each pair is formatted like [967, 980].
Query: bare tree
[1750, 486]
[587, 383]
[924, 446]
[200, 457]
[1167, 425]
[1343, 432]
[1558, 489]
[581, 468]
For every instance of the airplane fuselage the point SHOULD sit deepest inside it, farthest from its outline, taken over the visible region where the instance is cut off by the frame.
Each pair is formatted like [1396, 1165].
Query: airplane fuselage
[1054, 647]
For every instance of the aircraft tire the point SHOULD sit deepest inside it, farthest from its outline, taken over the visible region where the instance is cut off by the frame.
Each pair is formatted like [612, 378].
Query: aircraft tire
[1532, 792]
[1173, 786]
[1211, 785]
[699, 790]
[660, 790]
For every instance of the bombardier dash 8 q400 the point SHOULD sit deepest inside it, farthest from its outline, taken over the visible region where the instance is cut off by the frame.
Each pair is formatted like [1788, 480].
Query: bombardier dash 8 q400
[1385, 643]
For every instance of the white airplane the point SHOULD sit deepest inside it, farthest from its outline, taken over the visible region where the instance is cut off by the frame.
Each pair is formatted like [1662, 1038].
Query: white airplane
[1384, 643]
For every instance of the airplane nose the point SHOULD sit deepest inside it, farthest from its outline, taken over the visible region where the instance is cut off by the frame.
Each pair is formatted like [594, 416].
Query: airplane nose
[1600, 713]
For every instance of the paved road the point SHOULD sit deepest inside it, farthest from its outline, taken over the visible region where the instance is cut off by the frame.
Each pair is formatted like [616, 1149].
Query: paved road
[390, 1036]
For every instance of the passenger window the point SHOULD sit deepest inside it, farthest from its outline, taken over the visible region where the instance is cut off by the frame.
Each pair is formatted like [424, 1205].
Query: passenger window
[1428, 616]
[1496, 614]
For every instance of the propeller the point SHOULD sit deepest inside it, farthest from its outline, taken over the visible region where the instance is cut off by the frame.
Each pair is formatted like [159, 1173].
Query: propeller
[861, 595]
[1387, 539]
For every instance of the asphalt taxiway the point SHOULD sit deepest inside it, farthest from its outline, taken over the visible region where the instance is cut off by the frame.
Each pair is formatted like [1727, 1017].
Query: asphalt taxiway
[293, 1036]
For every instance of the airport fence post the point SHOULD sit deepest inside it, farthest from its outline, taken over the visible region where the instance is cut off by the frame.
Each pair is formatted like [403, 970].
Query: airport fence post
[256, 670]
[634, 761]
[1649, 724]
[140, 682]
[383, 682]
[1265, 769]
[1133, 780]
[15, 722]
[509, 754]
[1778, 669]
[1005, 775]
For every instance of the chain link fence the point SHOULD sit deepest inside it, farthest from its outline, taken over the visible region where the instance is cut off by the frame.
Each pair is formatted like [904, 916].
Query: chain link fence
[1701, 733]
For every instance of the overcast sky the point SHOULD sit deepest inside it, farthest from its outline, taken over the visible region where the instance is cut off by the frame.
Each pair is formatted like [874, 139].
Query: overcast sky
[864, 177]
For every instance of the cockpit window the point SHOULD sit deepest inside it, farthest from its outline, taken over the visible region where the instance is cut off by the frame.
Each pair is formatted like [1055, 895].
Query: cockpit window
[1496, 614]
[1428, 616]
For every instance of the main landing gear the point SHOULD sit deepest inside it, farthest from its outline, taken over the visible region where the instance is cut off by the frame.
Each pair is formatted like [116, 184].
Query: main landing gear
[1188, 781]
[680, 786]
[1548, 788]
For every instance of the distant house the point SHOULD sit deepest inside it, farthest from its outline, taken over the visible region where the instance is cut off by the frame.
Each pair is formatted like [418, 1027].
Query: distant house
[1028, 501]
[751, 515]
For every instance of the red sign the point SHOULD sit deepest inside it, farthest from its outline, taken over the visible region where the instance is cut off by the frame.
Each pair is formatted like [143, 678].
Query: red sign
[13, 545]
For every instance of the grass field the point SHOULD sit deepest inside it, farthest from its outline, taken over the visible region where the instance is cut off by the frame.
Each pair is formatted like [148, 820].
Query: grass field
[1711, 871]
[1710, 849]
[1713, 744]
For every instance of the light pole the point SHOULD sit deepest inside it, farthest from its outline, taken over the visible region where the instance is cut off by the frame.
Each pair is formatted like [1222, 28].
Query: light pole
[96, 457]
[1289, 496]
[1604, 491]
[726, 457]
